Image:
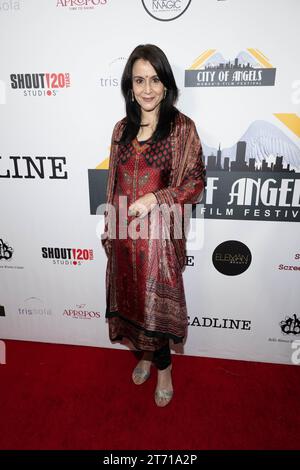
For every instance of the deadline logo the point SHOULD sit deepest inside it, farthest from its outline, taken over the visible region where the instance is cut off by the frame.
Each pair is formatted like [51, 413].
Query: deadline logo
[249, 68]
[40, 84]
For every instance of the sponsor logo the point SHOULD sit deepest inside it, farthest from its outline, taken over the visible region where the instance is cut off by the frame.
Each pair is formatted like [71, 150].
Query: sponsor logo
[248, 68]
[166, 10]
[67, 256]
[290, 325]
[40, 84]
[223, 323]
[9, 5]
[290, 267]
[112, 77]
[232, 258]
[81, 312]
[2, 311]
[6, 251]
[80, 4]
[34, 306]
[34, 168]
[256, 179]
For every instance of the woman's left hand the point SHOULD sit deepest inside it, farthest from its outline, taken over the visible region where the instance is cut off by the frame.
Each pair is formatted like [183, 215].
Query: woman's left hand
[143, 205]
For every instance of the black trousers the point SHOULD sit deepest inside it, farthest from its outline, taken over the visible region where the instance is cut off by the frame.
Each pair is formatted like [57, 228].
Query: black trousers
[162, 357]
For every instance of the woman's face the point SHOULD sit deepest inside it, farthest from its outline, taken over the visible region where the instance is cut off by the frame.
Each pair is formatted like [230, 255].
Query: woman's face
[147, 87]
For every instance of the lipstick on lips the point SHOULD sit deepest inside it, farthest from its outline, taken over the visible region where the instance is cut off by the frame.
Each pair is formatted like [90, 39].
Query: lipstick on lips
[148, 100]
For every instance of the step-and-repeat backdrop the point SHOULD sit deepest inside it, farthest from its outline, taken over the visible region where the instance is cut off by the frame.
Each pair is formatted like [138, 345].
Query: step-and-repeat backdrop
[236, 64]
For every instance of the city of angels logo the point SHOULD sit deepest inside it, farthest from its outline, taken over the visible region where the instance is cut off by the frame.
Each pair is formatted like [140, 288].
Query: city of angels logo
[248, 68]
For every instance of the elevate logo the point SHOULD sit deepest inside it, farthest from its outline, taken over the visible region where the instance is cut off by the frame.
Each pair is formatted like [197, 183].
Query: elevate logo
[248, 68]
[40, 84]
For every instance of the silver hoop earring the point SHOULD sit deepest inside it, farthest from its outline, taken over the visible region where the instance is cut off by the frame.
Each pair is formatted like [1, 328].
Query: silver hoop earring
[132, 96]
[165, 93]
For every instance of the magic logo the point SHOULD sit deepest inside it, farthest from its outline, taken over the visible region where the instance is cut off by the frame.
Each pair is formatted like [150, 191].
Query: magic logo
[248, 68]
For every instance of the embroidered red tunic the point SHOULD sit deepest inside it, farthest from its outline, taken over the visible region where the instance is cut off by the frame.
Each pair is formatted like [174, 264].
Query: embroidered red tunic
[148, 305]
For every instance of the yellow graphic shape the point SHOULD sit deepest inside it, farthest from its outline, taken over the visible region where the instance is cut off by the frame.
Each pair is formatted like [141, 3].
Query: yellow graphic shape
[202, 58]
[105, 164]
[260, 57]
[290, 120]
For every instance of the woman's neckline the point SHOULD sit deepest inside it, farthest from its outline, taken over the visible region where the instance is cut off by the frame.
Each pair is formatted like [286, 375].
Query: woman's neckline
[143, 141]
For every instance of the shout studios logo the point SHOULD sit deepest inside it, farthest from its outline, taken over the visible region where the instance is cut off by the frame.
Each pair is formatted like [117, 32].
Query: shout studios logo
[40, 84]
[231, 258]
[166, 10]
[249, 68]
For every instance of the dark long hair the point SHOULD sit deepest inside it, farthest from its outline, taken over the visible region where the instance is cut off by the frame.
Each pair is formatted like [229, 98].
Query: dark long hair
[167, 110]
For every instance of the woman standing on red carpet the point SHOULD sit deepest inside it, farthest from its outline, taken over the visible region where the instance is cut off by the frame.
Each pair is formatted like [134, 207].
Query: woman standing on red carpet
[155, 163]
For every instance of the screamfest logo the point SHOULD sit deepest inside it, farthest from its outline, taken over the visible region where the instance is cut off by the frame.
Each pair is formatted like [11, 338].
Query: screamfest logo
[68, 256]
[290, 325]
[166, 10]
[248, 68]
[80, 312]
[6, 251]
[290, 267]
[40, 84]
[256, 179]
[80, 4]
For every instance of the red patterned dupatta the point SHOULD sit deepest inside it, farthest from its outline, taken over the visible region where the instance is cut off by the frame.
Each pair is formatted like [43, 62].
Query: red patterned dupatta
[186, 183]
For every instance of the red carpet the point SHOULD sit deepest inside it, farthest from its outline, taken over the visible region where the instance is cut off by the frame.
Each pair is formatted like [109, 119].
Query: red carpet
[67, 397]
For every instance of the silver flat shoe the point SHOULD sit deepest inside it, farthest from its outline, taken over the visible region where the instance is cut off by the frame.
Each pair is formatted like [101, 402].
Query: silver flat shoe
[163, 397]
[139, 375]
